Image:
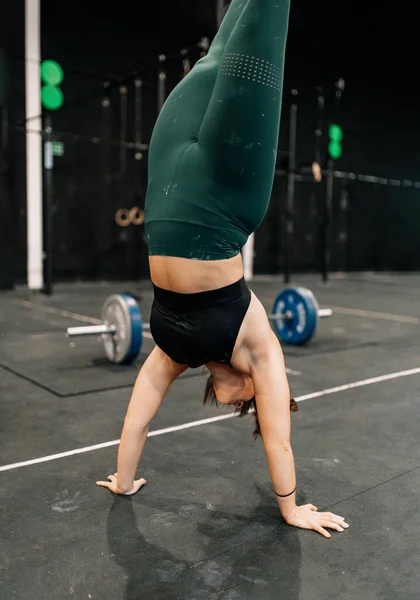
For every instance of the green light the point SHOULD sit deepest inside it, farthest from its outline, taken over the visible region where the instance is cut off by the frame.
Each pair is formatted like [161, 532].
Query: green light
[336, 133]
[335, 150]
[52, 97]
[58, 148]
[52, 76]
[51, 72]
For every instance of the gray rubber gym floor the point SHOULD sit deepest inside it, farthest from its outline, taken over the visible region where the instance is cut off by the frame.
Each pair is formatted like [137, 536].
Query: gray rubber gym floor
[207, 525]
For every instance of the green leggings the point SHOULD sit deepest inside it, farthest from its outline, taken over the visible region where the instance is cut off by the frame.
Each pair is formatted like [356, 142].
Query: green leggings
[213, 151]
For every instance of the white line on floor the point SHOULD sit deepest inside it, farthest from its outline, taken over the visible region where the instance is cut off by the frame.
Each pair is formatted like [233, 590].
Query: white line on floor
[356, 312]
[71, 315]
[334, 390]
[357, 384]
[293, 372]
[57, 311]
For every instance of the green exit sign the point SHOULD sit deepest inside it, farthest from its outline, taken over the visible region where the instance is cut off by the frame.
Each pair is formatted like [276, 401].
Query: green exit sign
[58, 149]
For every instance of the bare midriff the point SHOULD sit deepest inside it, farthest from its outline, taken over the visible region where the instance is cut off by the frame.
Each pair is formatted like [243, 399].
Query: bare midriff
[187, 276]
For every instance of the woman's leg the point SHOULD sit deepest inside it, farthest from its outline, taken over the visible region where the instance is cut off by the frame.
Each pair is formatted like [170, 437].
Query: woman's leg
[182, 115]
[213, 152]
[239, 134]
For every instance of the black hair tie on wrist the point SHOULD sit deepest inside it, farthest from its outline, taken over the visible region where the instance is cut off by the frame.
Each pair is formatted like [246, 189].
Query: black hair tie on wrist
[286, 495]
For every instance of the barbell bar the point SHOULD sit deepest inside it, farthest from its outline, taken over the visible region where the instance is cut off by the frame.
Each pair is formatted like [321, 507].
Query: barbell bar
[121, 330]
[323, 313]
[91, 330]
[295, 318]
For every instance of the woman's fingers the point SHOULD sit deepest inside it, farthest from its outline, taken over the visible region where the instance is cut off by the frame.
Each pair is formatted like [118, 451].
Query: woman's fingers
[332, 525]
[112, 479]
[333, 521]
[337, 519]
[322, 531]
[342, 522]
[139, 484]
[104, 483]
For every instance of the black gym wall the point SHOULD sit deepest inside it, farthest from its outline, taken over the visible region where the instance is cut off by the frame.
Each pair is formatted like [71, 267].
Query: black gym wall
[8, 205]
[373, 227]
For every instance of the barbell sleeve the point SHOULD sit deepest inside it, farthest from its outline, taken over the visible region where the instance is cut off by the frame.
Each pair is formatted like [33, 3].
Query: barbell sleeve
[91, 330]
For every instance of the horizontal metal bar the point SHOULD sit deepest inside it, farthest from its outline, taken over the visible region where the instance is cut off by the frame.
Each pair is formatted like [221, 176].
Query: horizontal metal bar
[91, 330]
[305, 175]
[407, 183]
[286, 316]
[323, 313]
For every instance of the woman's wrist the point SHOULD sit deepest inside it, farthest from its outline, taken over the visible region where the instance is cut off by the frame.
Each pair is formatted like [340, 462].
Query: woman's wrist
[288, 506]
[290, 515]
[285, 495]
[124, 486]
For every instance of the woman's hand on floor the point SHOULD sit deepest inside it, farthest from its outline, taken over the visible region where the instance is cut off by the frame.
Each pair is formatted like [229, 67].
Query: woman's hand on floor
[308, 517]
[112, 485]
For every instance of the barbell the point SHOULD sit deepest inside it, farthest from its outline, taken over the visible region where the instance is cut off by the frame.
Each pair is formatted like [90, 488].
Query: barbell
[295, 315]
[121, 329]
[295, 318]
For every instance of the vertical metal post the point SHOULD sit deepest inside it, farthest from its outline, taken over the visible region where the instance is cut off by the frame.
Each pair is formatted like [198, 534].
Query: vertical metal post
[343, 227]
[161, 83]
[101, 226]
[220, 11]
[319, 132]
[33, 144]
[48, 207]
[326, 226]
[138, 112]
[329, 195]
[290, 201]
[138, 138]
[106, 129]
[138, 156]
[123, 190]
[123, 130]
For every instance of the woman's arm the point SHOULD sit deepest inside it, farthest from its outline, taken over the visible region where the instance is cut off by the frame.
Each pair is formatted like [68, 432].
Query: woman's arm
[272, 395]
[260, 354]
[153, 381]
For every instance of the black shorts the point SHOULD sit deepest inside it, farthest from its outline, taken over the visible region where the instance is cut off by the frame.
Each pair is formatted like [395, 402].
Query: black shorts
[194, 329]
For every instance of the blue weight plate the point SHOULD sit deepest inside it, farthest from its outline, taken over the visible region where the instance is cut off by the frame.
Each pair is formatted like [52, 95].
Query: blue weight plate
[300, 307]
[122, 311]
[136, 328]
